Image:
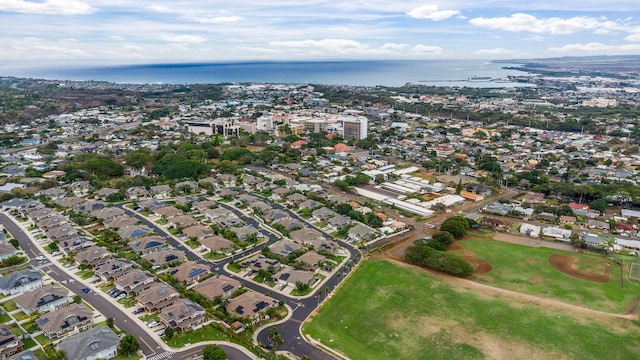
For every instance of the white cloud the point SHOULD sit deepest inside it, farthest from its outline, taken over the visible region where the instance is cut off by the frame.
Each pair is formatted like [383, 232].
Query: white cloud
[595, 48]
[336, 45]
[186, 38]
[497, 52]
[633, 37]
[394, 47]
[556, 26]
[425, 50]
[49, 7]
[217, 19]
[432, 12]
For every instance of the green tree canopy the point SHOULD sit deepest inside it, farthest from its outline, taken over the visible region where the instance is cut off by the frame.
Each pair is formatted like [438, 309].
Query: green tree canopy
[129, 345]
[444, 237]
[457, 226]
[213, 352]
[173, 166]
[235, 154]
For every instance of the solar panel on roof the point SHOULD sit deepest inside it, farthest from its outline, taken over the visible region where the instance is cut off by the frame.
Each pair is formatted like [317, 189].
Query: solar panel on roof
[196, 272]
[227, 288]
[239, 310]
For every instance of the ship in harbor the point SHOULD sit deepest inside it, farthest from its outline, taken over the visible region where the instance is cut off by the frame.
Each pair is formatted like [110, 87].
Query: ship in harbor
[480, 78]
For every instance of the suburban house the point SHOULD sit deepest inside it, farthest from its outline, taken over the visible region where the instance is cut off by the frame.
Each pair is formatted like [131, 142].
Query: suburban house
[323, 214]
[70, 319]
[61, 232]
[361, 232]
[243, 233]
[20, 281]
[258, 262]
[9, 343]
[157, 297]
[182, 221]
[105, 193]
[97, 343]
[309, 204]
[219, 285]
[294, 200]
[311, 259]
[164, 257]
[289, 223]
[147, 244]
[48, 298]
[216, 243]
[189, 272]
[137, 192]
[290, 276]
[182, 315]
[284, 247]
[198, 231]
[134, 281]
[107, 213]
[160, 191]
[120, 221]
[80, 188]
[249, 304]
[222, 217]
[51, 222]
[530, 230]
[7, 251]
[274, 215]
[187, 187]
[168, 212]
[74, 244]
[112, 269]
[597, 224]
[23, 355]
[93, 256]
[134, 231]
[557, 233]
[304, 235]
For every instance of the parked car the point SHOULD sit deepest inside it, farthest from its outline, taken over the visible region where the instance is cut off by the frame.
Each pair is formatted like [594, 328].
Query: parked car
[137, 311]
[152, 324]
[86, 289]
[161, 332]
[121, 296]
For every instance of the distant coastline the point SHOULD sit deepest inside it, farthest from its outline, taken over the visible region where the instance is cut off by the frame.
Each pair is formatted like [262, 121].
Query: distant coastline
[389, 73]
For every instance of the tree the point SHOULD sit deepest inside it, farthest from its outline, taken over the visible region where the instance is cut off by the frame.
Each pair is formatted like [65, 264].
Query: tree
[444, 237]
[599, 205]
[301, 286]
[459, 187]
[275, 337]
[457, 226]
[129, 345]
[212, 352]
[110, 322]
[344, 208]
[169, 332]
[77, 299]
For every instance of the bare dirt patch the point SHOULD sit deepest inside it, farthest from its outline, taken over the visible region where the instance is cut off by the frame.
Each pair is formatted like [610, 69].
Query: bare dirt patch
[566, 265]
[482, 267]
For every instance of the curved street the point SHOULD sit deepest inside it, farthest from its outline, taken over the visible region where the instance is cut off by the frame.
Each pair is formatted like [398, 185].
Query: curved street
[290, 330]
[148, 344]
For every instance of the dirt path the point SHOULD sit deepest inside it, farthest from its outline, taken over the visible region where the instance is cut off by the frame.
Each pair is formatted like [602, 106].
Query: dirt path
[546, 303]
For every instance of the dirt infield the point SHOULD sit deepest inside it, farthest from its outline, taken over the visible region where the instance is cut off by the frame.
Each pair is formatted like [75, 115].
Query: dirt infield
[565, 264]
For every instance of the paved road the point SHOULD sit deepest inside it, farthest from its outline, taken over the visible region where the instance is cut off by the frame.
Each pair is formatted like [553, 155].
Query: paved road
[149, 346]
[289, 330]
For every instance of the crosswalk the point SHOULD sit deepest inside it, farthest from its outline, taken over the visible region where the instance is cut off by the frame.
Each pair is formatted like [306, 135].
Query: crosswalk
[162, 355]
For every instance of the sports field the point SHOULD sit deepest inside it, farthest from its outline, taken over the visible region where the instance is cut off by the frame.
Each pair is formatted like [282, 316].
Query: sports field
[389, 310]
[528, 270]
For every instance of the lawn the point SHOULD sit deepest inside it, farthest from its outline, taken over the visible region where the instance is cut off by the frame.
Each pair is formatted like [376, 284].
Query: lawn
[527, 270]
[203, 334]
[29, 343]
[10, 306]
[387, 311]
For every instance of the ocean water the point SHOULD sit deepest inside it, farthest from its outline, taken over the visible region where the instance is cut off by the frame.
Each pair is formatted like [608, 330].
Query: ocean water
[356, 73]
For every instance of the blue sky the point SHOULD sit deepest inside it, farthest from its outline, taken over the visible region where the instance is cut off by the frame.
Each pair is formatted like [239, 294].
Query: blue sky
[111, 32]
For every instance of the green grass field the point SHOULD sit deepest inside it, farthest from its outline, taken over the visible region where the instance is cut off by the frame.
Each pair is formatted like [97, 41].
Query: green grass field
[527, 270]
[388, 311]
